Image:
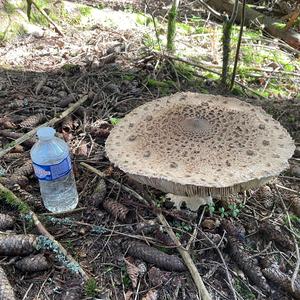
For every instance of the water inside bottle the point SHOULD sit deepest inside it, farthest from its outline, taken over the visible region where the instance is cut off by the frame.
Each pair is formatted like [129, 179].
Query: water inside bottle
[61, 194]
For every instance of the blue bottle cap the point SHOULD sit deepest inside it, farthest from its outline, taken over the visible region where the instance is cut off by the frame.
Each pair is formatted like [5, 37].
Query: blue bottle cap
[45, 133]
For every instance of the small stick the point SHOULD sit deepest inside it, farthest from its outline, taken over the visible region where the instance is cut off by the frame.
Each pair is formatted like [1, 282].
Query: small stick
[125, 188]
[287, 189]
[13, 200]
[57, 29]
[52, 122]
[203, 293]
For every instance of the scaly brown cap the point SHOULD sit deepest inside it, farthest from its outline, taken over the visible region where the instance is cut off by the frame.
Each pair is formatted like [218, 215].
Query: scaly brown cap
[196, 144]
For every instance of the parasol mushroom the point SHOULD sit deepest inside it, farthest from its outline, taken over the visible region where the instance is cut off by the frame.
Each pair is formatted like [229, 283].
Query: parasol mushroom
[193, 144]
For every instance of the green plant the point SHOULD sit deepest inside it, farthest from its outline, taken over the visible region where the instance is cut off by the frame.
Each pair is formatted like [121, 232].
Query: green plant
[243, 290]
[8, 7]
[85, 10]
[223, 212]
[211, 208]
[90, 287]
[233, 210]
[18, 29]
[293, 218]
[125, 277]
[114, 121]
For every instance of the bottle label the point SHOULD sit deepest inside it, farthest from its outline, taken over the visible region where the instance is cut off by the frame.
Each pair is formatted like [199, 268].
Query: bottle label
[52, 172]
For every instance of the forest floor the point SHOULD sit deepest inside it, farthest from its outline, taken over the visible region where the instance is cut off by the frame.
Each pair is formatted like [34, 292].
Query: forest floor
[114, 57]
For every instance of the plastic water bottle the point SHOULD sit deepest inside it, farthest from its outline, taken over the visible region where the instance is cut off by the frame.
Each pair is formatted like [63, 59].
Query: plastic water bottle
[52, 166]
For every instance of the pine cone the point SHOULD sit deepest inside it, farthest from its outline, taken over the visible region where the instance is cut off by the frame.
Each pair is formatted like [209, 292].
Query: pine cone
[132, 271]
[12, 156]
[116, 209]
[17, 245]
[18, 149]
[265, 195]
[32, 121]
[9, 182]
[33, 263]
[247, 264]
[7, 123]
[276, 234]
[67, 124]
[25, 170]
[6, 290]
[25, 196]
[17, 104]
[19, 179]
[153, 256]
[6, 222]
[274, 274]
[16, 135]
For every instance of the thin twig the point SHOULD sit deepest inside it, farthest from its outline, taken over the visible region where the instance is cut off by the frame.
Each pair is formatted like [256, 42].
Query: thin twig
[202, 291]
[57, 29]
[194, 235]
[216, 247]
[52, 122]
[125, 188]
[211, 10]
[287, 189]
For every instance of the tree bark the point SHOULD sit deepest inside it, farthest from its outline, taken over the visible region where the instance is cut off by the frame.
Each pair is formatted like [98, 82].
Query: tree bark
[272, 26]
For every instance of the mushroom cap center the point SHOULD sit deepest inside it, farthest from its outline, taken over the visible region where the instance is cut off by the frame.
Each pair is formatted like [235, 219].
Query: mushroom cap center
[196, 124]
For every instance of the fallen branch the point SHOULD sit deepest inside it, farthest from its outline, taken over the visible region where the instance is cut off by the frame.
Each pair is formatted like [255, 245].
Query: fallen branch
[29, 3]
[52, 122]
[13, 200]
[202, 291]
[272, 26]
[203, 67]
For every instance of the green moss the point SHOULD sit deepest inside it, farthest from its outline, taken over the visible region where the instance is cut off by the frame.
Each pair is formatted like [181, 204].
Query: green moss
[171, 28]
[185, 28]
[144, 20]
[210, 75]
[185, 70]
[90, 287]
[12, 200]
[243, 290]
[18, 29]
[85, 10]
[9, 8]
[3, 36]
[163, 86]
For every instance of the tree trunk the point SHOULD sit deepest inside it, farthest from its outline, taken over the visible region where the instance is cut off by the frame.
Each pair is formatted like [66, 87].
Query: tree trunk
[271, 25]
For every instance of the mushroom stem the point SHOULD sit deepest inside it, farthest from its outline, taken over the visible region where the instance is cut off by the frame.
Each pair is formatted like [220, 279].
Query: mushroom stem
[192, 202]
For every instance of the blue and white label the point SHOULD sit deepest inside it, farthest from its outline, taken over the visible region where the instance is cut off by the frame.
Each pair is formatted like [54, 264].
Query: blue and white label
[52, 172]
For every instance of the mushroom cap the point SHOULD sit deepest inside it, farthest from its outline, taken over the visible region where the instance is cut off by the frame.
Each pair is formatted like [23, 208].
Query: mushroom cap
[197, 144]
